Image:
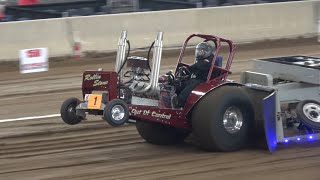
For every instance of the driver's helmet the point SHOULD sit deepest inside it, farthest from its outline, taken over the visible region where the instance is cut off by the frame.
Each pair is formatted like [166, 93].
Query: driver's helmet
[203, 50]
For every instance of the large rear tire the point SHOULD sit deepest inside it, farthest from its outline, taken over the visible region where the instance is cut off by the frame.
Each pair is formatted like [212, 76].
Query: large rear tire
[68, 111]
[223, 119]
[160, 134]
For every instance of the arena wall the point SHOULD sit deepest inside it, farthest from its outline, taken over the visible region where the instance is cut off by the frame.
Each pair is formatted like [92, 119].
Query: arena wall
[247, 23]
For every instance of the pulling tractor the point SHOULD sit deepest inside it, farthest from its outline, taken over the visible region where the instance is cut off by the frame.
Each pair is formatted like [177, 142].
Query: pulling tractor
[222, 115]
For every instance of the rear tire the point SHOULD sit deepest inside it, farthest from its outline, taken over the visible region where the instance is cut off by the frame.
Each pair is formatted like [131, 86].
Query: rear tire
[222, 120]
[160, 134]
[308, 113]
[68, 111]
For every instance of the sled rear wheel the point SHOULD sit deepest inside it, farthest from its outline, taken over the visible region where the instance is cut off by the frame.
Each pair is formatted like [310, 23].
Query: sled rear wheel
[308, 113]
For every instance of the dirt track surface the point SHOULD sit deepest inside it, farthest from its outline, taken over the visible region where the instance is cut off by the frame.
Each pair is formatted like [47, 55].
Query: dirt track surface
[49, 149]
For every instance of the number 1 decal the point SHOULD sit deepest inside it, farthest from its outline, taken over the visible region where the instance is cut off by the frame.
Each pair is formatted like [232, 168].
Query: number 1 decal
[94, 101]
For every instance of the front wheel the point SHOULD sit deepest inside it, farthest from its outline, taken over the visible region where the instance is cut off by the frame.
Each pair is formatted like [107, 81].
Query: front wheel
[222, 120]
[68, 111]
[116, 112]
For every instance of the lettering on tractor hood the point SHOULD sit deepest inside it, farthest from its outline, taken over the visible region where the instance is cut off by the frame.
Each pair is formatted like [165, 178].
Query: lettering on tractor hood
[90, 77]
[96, 78]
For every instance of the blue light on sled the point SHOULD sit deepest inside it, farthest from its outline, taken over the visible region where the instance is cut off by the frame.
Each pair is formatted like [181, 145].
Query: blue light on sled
[304, 138]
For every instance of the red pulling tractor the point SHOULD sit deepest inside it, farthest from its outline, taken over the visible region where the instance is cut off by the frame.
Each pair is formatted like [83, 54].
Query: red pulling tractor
[221, 114]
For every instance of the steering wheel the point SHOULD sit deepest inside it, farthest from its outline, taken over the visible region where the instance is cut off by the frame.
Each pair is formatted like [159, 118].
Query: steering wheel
[183, 73]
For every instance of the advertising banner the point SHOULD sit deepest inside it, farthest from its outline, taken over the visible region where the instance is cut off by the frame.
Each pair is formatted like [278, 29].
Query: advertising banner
[34, 60]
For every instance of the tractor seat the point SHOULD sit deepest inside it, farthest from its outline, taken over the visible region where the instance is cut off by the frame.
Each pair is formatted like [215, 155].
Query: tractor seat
[216, 72]
[219, 61]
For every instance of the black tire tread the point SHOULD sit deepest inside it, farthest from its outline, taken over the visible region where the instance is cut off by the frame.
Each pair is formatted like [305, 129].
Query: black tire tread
[160, 134]
[66, 117]
[207, 129]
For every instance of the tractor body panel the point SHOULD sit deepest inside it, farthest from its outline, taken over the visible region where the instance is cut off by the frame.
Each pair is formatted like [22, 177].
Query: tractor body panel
[172, 117]
[105, 81]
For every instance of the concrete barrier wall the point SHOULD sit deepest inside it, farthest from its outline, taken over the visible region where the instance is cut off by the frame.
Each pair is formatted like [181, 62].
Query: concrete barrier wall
[101, 33]
[142, 28]
[15, 36]
[257, 22]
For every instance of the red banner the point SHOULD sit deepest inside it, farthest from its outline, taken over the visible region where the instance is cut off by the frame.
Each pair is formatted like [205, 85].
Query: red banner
[27, 2]
[2, 15]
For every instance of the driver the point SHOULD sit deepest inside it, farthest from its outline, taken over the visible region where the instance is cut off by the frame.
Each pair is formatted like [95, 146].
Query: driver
[199, 71]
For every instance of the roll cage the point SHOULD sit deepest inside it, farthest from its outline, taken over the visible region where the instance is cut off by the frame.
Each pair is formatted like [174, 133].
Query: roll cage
[225, 71]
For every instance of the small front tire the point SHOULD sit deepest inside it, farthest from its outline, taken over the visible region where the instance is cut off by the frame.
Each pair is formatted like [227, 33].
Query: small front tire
[116, 112]
[68, 111]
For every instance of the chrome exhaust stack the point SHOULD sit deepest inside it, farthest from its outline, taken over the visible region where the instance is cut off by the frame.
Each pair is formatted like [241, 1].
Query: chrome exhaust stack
[152, 88]
[156, 61]
[121, 52]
